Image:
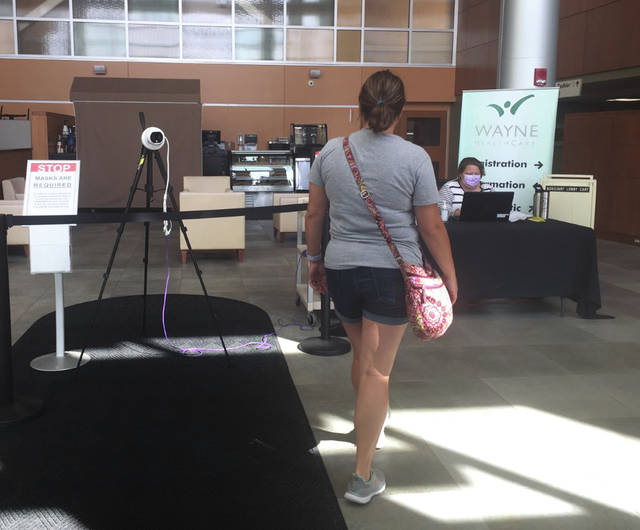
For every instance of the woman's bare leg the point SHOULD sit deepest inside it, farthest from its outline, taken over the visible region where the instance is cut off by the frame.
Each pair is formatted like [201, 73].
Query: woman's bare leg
[378, 348]
[354, 333]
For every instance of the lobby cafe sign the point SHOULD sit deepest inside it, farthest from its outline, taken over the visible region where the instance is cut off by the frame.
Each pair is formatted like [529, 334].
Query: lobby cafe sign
[512, 132]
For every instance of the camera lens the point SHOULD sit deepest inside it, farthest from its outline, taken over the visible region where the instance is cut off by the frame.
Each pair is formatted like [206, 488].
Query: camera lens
[156, 137]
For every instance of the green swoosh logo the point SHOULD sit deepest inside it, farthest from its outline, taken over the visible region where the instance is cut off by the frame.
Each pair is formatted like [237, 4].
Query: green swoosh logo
[498, 108]
[517, 104]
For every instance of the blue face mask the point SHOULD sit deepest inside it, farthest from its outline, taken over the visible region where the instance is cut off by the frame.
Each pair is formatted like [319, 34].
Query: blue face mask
[471, 180]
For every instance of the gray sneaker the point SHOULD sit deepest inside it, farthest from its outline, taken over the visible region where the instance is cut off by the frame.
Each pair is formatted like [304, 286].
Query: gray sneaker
[362, 491]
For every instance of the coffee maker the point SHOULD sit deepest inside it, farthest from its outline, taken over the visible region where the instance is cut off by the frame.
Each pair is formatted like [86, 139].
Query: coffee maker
[306, 142]
[215, 159]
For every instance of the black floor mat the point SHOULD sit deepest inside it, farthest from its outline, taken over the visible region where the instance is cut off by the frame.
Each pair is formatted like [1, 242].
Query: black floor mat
[144, 437]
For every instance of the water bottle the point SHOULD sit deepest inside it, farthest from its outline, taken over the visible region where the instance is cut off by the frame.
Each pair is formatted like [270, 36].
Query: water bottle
[540, 202]
[444, 211]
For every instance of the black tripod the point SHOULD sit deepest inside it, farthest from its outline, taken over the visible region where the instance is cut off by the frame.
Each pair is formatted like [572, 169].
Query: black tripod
[145, 158]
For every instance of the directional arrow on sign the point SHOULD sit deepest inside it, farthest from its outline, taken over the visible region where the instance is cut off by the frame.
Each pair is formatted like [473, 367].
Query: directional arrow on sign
[538, 165]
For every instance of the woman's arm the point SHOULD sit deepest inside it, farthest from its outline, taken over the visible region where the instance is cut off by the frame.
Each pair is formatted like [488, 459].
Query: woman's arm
[434, 234]
[314, 222]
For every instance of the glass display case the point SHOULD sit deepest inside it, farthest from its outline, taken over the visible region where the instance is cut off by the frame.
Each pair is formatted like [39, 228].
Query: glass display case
[255, 171]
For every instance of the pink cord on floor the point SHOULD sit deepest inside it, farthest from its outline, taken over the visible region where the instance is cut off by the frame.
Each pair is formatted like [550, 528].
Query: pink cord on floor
[197, 352]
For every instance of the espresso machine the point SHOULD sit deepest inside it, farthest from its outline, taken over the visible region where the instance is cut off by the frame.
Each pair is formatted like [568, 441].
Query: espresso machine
[215, 157]
[306, 142]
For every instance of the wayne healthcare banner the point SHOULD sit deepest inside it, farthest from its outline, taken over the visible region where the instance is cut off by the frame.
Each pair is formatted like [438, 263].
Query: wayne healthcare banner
[512, 131]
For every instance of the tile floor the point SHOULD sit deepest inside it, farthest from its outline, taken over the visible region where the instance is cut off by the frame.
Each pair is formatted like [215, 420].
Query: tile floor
[517, 418]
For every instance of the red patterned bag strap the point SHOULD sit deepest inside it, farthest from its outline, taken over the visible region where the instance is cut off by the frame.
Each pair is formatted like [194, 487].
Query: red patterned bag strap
[364, 193]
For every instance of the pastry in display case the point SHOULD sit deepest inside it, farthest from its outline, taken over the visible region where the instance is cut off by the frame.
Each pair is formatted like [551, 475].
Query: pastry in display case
[262, 171]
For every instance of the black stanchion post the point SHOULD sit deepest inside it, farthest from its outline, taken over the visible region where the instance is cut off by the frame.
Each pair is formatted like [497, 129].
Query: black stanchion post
[325, 344]
[12, 410]
[149, 194]
[148, 188]
[6, 372]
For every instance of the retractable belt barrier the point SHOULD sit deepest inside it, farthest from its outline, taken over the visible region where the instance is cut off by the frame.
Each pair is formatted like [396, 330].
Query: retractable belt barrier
[256, 212]
[12, 409]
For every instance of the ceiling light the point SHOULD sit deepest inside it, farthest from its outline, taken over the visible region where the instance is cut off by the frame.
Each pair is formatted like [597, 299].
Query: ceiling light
[624, 100]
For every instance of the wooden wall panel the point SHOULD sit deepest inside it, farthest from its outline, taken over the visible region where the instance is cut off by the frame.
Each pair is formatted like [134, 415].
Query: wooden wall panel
[266, 122]
[477, 53]
[481, 23]
[477, 68]
[13, 163]
[340, 122]
[570, 7]
[625, 138]
[223, 83]
[422, 84]
[21, 108]
[274, 86]
[597, 35]
[592, 4]
[253, 84]
[47, 79]
[40, 135]
[606, 38]
[337, 85]
[606, 144]
[465, 5]
[571, 31]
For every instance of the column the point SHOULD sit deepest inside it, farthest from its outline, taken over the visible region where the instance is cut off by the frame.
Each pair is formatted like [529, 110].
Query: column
[528, 40]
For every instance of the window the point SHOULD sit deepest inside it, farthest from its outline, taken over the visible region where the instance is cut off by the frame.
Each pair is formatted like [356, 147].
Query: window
[99, 9]
[206, 11]
[154, 11]
[263, 12]
[386, 46]
[44, 38]
[259, 44]
[206, 42]
[150, 40]
[6, 37]
[385, 32]
[6, 8]
[314, 45]
[99, 40]
[306, 13]
[42, 9]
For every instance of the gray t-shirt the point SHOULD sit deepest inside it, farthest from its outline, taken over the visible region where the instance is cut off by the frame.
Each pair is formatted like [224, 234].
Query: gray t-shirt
[398, 175]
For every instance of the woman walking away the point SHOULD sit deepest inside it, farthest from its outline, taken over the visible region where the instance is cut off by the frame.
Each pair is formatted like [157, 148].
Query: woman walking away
[358, 268]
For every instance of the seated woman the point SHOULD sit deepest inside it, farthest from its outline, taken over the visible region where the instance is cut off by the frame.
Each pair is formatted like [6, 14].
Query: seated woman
[470, 173]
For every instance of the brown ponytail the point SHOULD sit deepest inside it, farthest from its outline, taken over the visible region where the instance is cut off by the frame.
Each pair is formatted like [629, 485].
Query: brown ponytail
[381, 100]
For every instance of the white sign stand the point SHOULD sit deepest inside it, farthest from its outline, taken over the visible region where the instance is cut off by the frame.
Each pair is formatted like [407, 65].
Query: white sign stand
[51, 188]
[61, 359]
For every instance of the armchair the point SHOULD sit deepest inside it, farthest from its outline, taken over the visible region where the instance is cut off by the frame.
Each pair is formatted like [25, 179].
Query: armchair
[16, 235]
[13, 189]
[287, 221]
[223, 233]
[220, 184]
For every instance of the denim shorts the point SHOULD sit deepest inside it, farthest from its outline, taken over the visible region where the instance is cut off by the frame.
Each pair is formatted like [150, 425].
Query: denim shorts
[372, 292]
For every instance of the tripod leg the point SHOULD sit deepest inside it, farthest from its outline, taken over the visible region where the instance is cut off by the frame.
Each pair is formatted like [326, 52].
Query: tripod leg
[105, 276]
[183, 228]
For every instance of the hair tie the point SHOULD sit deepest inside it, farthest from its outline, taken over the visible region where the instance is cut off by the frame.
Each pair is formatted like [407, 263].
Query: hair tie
[379, 102]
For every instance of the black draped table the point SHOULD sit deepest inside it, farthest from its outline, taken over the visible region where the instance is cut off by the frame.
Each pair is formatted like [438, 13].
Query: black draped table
[526, 260]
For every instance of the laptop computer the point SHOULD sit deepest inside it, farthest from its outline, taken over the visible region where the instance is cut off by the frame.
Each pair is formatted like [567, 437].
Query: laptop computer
[486, 206]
